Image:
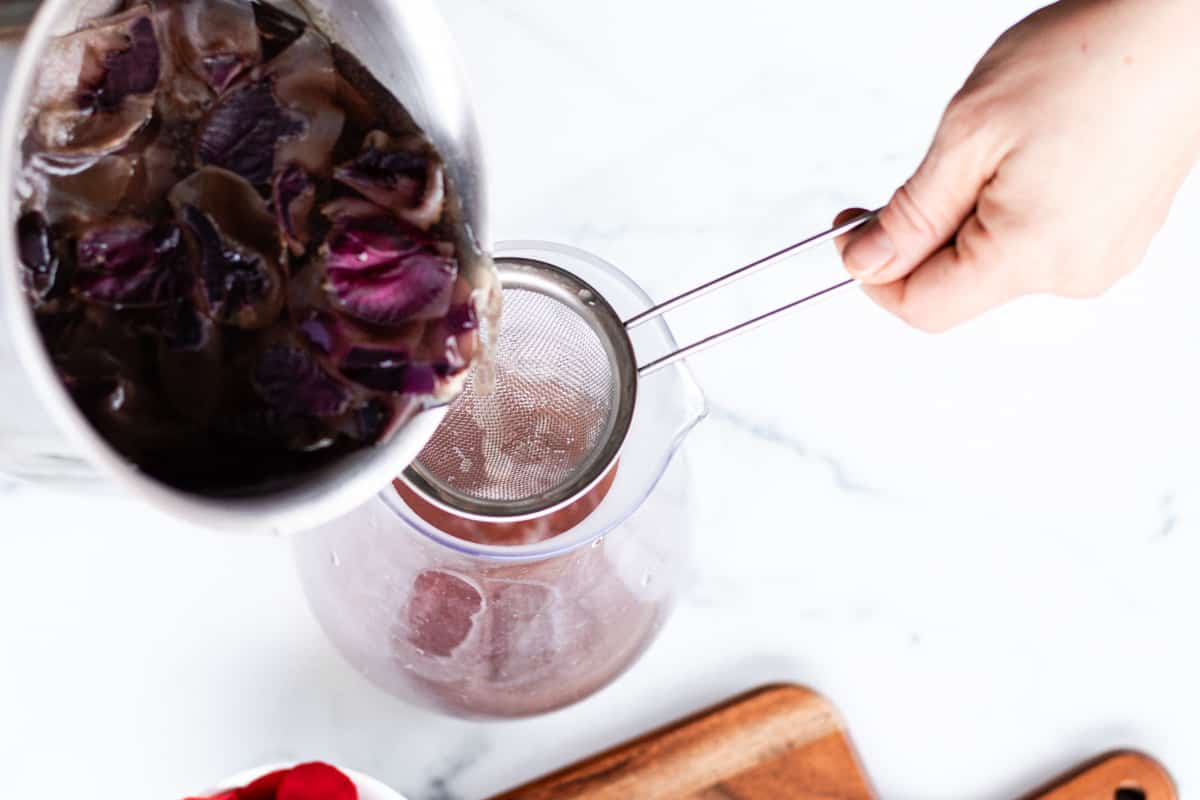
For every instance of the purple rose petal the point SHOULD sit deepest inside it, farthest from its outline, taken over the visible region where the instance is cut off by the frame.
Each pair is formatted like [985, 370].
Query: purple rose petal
[294, 195]
[305, 83]
[101, 94]
[233, 281]
[319, 329]
[386, 273]
[129, 264]
[222, 70]
[399, 176]
[294, 384]
[240, 278]
[244, 130]
[37, 254]
[132, 71]
[388, 371]
[217, 40]
[389, 179]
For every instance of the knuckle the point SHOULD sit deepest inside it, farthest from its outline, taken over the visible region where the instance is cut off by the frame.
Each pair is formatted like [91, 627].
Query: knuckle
[907, 211]
[967, 118]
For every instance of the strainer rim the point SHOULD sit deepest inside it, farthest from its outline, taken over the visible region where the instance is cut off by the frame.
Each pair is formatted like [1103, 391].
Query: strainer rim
[567, 288]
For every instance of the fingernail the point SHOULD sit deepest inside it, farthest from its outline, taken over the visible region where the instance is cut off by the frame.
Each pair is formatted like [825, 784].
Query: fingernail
[869, 250]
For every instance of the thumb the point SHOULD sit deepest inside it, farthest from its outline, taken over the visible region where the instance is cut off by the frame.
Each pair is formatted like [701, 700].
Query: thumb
[928, 210]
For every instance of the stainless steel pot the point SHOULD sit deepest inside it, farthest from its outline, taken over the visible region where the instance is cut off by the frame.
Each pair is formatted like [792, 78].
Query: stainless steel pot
[44, 437]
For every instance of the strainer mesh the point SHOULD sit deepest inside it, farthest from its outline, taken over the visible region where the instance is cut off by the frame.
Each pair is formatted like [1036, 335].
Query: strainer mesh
[549, 408]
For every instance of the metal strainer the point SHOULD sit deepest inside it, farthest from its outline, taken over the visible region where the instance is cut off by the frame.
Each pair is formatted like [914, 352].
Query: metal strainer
[552, 419]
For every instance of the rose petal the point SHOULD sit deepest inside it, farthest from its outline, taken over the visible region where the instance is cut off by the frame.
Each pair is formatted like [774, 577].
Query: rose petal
[316, 781]
[238, 259]
[402, 176]
[306, 84]
[320, 331]
[244, 131]
[134, 70]
[36, 245]
[387, 273]
[293, 383]
[265, 788]
[90, 195]
[388, 371]
[129, 264]
[216, 39]
[235, 284]
[294, 196]
[413, 287]
[101, 91]
[284, 113]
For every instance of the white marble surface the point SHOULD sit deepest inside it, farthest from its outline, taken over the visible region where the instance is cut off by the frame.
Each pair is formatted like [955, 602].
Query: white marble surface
[981, 546]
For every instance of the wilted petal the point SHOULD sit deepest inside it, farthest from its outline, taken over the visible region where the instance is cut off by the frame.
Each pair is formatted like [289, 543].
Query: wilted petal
[38, 256]
[99, 90]
[294, 384]
[239, 258]
[306, 84]
[293, 197]
[216, 39]
[385, 272]
[403, 176]
[129, 264]
[131, 70]
[282, 114]
[90, 195]
[316, 781]
[246, 129]
[320, 330]
[388, 371]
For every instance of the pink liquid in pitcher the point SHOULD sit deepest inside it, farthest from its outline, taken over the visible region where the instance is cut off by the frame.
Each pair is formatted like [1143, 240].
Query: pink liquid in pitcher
[488, 637]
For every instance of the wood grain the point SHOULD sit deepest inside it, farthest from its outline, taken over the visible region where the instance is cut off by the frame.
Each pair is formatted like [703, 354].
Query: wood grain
[787, 742]
[1124, 775]
[779, 741]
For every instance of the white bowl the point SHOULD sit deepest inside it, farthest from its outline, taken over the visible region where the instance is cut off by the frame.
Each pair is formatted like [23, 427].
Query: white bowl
[368, 787]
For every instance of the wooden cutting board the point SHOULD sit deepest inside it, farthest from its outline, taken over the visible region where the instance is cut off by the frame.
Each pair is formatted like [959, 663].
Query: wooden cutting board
[785, 742]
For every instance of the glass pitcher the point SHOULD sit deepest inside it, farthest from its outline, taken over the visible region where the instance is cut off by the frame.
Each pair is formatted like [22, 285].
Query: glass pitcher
[501, 620]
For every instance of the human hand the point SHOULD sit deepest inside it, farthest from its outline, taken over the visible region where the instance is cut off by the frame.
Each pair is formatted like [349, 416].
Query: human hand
[1052, 169]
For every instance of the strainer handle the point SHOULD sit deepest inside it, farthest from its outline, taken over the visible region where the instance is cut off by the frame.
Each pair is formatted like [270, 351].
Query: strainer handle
[736, 275]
